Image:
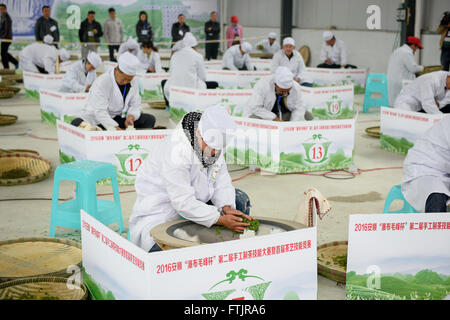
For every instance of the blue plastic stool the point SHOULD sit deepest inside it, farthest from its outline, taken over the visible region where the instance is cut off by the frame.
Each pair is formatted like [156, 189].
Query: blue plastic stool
[394, 194]
[376, 83]
[86, 174]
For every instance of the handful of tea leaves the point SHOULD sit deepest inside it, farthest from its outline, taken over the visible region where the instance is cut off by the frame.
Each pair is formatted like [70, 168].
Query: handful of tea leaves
[254, 224]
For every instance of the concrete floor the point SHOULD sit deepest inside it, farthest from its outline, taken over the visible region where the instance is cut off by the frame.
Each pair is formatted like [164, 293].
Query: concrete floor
[275, 196]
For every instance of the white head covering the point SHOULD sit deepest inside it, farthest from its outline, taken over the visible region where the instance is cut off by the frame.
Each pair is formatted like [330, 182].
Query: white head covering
[284, 78]
[132, 44]
[64, 54]
[48, 39]
[272, 35]
[246, 47]
[216, 127]
[129, 63]
[327, 35]
[289, 40]
[189, 40]
[94, 59]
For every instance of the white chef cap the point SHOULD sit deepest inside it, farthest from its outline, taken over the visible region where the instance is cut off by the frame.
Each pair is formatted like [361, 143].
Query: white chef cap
[284, 78]
[289, 40]
[132, 44]
[246, 47]
[217, 127]
[64, 54]
[94, 59]
[189, 40]
[327, 35]
[128, 63]
[48, 39]
[272, 35]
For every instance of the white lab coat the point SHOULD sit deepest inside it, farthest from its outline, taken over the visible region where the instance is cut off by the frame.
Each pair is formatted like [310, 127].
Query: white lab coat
[402, 66]
[427, 167]
[38, 54]
[267, 48]
[187, 69]
[337, 53]
[75, 80]
[154, 60]
[261, 103]
[171, 183]
[296, 64]
[105, 101]
[422, 93]
[234, 60]
[124, 48]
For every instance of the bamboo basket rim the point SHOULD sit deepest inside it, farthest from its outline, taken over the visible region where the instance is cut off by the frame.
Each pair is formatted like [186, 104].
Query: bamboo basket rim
[4, 119]
[157, 104]
[26, 180]
[374, 131]
[19, 151]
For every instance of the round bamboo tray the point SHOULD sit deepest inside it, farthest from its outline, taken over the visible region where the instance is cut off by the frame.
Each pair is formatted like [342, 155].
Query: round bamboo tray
[374, 131]
[37, 257]
[7, 119]
[6, 94]
[7, 83]
[4, 72]
[157, 104]
[14, 89]
[429, 69]
[42, 288]
[38, 167]
[306, 54]
[326, 266]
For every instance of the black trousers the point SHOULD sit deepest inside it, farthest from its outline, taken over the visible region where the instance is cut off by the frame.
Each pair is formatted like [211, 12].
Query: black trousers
[209, 85]
[6, 57]
[145, 121]
[335, 66]
[111, 52]
[211, 51]
[445, 58]
[436, 202]
[445, 109]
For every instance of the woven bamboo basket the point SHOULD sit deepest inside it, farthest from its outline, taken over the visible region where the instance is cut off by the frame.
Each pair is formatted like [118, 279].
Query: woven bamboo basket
[429, 69]
[7, 83]
[13, 77]
[374, 131]
[42, 288]
[7, 119]
[19, 151]
[14, 89]
[325, 264]
[157, 104]
[38, 168]
[261, 55]
[6, 94]
[4, 72]
[38, 257]
[306, 55]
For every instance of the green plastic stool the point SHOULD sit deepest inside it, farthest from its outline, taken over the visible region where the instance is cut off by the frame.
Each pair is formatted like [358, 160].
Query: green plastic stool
[376, 83]
[396, 194]
[85, 173]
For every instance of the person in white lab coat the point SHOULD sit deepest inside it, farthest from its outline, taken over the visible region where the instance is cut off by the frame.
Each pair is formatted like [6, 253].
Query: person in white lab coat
[269, 45]
[187, 176]
[277, 98]
[428, 93]
[114, 102]
[149, 58]
[292, 59]
[333, 53]
[237, 57]
[130, 46]
[402, 66]
[426, 170]
[80, 75]
[41, 57]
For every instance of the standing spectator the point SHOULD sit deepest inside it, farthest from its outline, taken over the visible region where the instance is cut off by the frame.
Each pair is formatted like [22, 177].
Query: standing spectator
[46, 25]
[113, 32]
[212, 31]
[144, 30]
[179, 28]
[90, 31]
[6, 33]
[444, 30]
[234, 32]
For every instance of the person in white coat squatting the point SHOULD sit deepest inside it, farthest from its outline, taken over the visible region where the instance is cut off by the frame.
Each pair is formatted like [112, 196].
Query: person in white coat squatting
[130, 46]
[289, 57]
[114, 102]
[333, 52]
[277, 98]
[428, 93]
[149, 57]
[187, 176]
[269, 45]
[402, 66]
[80, 75]
[41, 57]
[426, 171]
[237, 57]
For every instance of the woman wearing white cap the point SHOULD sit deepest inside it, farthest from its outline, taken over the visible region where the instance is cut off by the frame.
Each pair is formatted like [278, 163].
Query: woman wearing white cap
[277, 98]
[41, 57]
[187, 176]
[269, 45]
[292, 59]
[80, 75]
[333, 52]
[237, 57]
[130, 46]
[149, 57]
[114, 102]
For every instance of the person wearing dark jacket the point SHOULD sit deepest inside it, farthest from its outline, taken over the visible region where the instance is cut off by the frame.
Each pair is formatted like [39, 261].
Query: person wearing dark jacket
[212, 32]
[90, 33]
[179, 29]
[6, 33]
[46, 25]
[144, 30]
